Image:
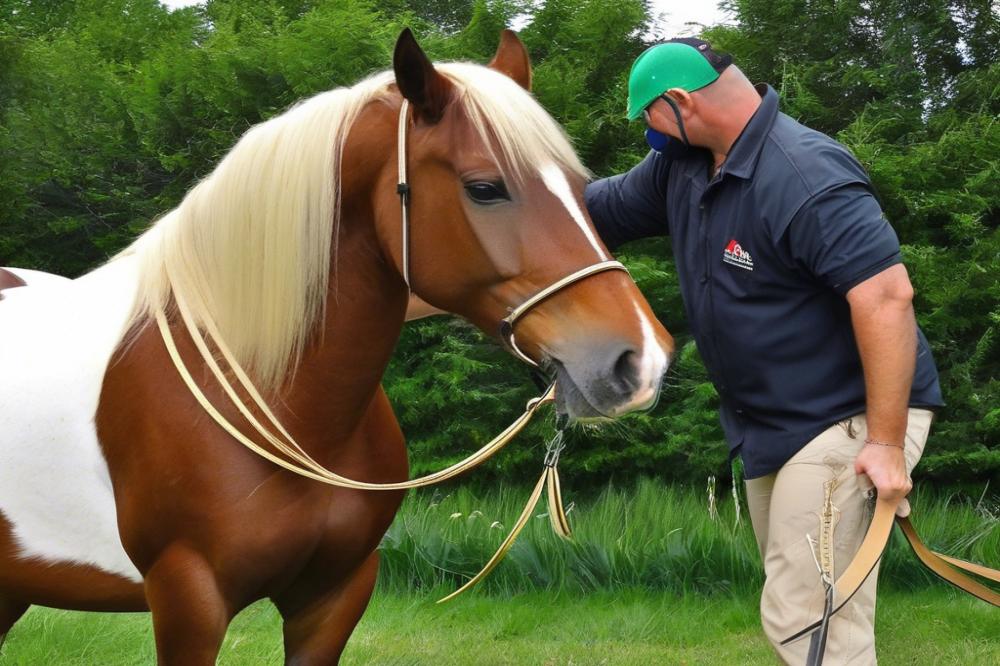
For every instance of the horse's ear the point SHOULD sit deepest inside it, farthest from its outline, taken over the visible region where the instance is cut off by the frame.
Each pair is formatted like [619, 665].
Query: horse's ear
[418, 81]
[512, 59]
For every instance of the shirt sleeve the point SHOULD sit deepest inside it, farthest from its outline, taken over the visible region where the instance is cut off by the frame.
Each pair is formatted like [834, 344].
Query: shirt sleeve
[842, 238]
[631, 205]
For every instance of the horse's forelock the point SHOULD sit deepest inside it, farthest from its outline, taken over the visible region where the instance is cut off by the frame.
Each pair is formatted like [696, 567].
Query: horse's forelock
[511, 123]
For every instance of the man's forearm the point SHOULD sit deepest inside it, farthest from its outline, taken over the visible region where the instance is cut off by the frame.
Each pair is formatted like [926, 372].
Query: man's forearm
[886, 334]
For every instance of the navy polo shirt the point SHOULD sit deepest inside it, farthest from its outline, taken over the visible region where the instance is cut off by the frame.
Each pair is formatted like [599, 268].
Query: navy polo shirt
[766, 251]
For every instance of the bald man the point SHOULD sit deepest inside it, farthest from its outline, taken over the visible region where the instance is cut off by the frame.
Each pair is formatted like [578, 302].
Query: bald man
[802, 311]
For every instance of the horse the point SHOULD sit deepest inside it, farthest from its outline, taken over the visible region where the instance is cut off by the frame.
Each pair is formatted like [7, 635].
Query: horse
[118, 493]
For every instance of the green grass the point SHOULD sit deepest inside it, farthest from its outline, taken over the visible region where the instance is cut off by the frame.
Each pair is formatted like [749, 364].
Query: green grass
[652, 576]
[650, 535]
[647, 535]
[934, 626]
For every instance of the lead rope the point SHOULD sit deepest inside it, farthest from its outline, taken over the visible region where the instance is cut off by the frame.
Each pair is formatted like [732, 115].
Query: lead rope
[871, 550]
[304, 465]
[557, 514]
[301, 463]
[824, 563]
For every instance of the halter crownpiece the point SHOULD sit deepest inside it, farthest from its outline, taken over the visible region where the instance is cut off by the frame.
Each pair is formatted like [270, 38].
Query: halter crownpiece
[508, 322]
[403, 190]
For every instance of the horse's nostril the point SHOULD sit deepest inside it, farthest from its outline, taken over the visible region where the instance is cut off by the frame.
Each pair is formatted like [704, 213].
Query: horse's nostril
[626, 371]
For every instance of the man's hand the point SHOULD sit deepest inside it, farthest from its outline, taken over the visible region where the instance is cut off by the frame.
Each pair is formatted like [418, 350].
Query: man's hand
[885, 466]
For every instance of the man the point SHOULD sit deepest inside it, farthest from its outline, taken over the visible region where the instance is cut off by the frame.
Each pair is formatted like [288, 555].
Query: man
[801, 309]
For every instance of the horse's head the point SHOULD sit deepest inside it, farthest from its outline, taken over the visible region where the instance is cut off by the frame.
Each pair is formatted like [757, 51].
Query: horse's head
[496, 216]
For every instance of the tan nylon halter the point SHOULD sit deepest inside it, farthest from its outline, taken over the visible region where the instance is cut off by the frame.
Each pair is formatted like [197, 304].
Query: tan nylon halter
[301, 463]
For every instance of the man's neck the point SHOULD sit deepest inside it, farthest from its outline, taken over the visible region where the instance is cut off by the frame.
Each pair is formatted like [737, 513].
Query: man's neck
[730, 127]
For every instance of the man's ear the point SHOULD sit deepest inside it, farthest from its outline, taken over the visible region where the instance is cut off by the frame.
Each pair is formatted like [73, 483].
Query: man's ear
[512, 59]
[682, 98]
[426, 88]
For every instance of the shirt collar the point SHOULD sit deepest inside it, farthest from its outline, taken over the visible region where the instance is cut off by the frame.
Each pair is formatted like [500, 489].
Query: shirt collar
[742, 159]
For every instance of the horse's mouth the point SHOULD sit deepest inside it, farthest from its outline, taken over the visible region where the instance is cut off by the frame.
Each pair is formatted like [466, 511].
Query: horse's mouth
[570, 400]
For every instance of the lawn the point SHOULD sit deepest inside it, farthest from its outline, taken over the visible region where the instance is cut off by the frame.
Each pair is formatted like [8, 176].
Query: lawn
[655, 574]
[932, 626]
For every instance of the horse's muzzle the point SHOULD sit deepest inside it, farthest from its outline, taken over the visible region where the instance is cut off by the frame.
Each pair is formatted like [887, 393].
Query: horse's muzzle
[607, 380]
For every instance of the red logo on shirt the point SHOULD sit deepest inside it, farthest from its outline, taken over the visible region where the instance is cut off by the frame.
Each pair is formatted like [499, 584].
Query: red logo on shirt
[735, 254]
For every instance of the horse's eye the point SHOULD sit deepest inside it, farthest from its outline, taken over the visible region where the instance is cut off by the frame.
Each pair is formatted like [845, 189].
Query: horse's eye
[485, 192]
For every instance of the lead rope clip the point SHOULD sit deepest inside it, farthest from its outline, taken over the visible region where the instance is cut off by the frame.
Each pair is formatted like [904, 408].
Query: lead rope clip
[549, 481]
[553, 449]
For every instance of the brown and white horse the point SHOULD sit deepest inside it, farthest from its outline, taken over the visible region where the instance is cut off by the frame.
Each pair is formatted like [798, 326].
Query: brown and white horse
[118, 493]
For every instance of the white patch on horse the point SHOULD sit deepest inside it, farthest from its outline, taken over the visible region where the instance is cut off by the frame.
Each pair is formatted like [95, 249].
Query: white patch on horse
[37, 278]
[653, 362]
[555, 180]
[651, 366]
[56, 338]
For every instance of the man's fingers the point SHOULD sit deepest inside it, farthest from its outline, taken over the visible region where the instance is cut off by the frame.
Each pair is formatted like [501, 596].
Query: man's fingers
[903, 510]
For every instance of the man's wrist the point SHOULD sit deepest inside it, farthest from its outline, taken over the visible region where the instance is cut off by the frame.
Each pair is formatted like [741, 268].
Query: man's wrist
[872, 441]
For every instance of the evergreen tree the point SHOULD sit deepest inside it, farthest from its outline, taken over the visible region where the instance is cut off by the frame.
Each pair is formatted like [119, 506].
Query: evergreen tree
[111, 110]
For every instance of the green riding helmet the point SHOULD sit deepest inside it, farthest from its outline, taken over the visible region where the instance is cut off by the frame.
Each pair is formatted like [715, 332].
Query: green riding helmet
[685, 63]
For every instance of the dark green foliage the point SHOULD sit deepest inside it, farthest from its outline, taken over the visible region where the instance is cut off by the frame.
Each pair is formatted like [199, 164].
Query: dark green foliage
[110, 111]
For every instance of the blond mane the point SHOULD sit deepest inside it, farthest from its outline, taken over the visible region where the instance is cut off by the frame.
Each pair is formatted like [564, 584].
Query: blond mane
[249, 248]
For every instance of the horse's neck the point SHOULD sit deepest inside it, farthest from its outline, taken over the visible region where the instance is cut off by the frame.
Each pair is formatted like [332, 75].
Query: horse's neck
[366, 302]
[342, 369]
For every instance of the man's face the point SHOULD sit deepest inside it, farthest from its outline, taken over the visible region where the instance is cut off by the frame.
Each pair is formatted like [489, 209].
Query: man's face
[660, 117]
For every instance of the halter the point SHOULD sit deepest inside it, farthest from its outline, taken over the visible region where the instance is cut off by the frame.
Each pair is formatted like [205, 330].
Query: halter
[508, 322]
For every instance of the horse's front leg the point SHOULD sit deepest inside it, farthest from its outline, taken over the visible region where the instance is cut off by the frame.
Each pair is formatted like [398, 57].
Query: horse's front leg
[10, 613]
[190, 615]
[318, 618]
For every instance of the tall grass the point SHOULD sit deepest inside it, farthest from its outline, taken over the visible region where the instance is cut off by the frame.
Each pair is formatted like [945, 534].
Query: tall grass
[648, 535]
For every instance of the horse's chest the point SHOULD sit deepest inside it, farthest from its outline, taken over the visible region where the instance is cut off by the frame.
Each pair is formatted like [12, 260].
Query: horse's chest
[317, 533]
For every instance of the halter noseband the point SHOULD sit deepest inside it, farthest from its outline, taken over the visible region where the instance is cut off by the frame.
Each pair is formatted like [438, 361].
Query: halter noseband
[508, 322]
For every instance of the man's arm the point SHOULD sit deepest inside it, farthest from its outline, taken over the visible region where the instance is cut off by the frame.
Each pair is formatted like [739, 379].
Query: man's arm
[843, 239]
[886, 332]
[630, 205]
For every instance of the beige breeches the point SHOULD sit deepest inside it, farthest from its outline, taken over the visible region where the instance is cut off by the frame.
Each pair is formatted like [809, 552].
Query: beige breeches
[787, 509]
